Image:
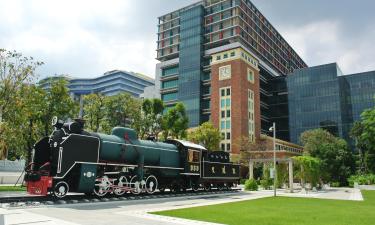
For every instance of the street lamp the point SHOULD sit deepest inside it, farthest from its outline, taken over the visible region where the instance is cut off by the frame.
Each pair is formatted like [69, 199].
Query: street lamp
[273, 128]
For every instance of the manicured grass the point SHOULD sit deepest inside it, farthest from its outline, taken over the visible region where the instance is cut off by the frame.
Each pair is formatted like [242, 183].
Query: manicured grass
[285, 210]
[12, 188]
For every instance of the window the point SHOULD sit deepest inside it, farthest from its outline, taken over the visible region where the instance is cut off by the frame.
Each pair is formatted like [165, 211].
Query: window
[169, 71]
[218, 57]
[228, 113]
[228, 147]
[169, 96]
[232, 54]
[193, 156]
[222, 147]
[225, 56]
[228, 91]
[223, 114]
[169, 84]
[227, 102]
[228, 136]
[222, 103]
[250, 75]
[222, 92]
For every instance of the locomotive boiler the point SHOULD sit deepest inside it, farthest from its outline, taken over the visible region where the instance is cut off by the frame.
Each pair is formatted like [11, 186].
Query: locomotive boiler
[74, 160]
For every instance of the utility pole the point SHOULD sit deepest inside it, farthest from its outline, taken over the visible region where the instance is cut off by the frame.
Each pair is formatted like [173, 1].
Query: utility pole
[273, 128]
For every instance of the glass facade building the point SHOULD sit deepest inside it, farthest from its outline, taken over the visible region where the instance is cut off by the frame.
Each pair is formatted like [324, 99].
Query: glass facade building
[322, 97]
[190, 66]
[111, 83]
[189, 36]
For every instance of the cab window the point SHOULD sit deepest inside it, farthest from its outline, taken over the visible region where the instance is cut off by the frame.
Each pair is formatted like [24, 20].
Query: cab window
[193, 156]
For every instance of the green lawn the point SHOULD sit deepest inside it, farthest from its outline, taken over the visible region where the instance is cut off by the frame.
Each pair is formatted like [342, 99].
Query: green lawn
[285, 210]
[12, 188]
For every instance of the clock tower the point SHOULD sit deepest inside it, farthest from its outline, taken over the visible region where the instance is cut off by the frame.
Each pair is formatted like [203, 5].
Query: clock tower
[235, 97]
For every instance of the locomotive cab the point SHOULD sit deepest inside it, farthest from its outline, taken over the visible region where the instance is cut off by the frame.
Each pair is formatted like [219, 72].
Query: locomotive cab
[47, 169]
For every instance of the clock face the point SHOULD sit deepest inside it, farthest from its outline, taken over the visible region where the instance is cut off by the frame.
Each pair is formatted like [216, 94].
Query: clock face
[224, 72]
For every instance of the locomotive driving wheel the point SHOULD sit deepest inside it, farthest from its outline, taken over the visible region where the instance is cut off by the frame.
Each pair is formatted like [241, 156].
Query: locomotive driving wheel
[136, 186]
[121, 185]
[102, 185]
[207, 187]
[61, 189]
[151, 184]
[195, 187]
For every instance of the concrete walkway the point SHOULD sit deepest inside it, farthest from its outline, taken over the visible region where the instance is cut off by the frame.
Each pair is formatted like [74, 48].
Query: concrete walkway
[137, 212]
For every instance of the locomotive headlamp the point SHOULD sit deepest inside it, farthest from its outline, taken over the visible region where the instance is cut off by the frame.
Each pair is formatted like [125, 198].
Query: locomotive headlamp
[54, 121]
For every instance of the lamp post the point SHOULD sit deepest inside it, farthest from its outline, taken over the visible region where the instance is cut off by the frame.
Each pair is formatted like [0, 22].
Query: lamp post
[273, 128]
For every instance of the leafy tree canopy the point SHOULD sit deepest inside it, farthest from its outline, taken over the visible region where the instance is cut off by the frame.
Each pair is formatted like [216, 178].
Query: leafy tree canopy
[334, 153]
[94, 111]
[175, 122]
[363, 132]
[207, 135]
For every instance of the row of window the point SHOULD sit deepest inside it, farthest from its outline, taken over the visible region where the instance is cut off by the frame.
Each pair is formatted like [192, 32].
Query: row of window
[173, 70]
[225, 55]
[225, 147]
[225, 117]
[169, 84]
[225, 135]
[169, 96]
[225, 124]
[251, 123]
[287, 148]
[267, 31]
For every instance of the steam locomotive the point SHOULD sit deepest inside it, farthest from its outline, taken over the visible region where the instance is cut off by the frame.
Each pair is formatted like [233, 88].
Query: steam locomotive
[74, 160]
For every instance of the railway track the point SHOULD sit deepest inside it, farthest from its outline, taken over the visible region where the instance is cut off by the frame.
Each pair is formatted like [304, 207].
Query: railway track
[33, 201]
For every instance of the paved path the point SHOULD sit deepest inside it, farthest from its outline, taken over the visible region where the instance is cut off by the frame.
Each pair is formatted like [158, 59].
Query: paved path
[137, 212]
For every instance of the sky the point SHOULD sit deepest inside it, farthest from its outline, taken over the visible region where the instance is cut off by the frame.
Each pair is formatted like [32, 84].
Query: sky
[85, 38]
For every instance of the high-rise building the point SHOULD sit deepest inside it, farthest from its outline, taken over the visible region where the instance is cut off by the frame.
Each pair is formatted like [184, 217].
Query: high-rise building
[226, 62]
[322, 97]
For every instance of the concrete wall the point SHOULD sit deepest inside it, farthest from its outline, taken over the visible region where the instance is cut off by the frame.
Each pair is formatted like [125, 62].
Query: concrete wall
[10, 171]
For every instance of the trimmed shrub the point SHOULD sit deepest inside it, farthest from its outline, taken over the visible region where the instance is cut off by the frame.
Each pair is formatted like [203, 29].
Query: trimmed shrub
[266, 183]
[251, 185]
[335, 184]
[367, 179]
[242, 181]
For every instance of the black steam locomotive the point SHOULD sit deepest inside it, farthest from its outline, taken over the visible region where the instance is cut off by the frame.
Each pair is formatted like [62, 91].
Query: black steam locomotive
[74, 160]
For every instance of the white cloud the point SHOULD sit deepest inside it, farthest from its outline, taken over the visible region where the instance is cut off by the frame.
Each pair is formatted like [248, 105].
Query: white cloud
[80, 38]
[324, 42]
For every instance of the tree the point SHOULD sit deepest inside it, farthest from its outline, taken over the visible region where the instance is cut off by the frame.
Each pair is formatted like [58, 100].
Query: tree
[94, 111]
[175, 122]
[360, 146]
[15, 72]
[310, 169]
[336, 157]
[59, 103]
[121, 110]
[33, 108]
[207, 135]
[150, 120]
[363, 133]
[250, 149]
